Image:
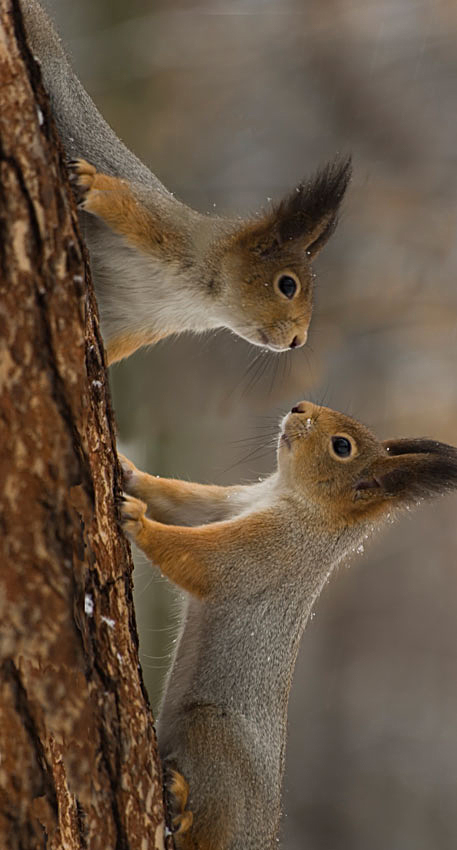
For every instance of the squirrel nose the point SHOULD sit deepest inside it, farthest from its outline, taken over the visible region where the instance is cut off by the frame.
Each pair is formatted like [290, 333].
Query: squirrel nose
[299, 339]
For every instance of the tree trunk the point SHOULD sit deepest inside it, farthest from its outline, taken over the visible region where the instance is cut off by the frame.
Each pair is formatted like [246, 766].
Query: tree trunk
[78, 757]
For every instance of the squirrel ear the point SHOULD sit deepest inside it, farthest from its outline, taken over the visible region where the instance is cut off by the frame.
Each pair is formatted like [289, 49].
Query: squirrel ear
[414, 469]
[310, 212]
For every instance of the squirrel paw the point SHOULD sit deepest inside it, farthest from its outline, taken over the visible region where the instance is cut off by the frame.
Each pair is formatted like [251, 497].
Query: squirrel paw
[132, 511]
[82, 175]
[129, 471]
[96, 193]
[178, 795]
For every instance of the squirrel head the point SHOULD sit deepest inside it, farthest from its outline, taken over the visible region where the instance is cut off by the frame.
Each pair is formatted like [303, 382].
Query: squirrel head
[268, 293]
[339, 466]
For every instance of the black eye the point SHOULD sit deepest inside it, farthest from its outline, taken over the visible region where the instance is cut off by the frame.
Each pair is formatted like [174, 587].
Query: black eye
[341, 446]
[287, 285]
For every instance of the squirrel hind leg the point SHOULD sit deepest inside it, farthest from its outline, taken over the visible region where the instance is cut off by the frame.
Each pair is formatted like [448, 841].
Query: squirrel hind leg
[178, 795]
[188, 832]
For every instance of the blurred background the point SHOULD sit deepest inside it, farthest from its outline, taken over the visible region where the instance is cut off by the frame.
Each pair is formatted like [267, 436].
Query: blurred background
[230, 104]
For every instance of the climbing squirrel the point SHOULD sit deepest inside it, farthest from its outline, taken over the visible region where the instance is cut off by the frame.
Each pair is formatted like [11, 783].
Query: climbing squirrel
[160, 267]
[254, 559]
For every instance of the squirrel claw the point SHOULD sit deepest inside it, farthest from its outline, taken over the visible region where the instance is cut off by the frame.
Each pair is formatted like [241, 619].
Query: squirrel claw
[83, 169]
[178, 792]
[183, 822]
[82, 175]
[132, 512]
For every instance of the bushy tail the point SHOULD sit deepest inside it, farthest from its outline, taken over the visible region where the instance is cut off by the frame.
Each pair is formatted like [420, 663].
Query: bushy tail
[83, 130]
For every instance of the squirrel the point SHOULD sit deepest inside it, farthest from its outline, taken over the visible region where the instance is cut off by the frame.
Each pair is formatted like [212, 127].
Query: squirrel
[160, 267]
[254, 559]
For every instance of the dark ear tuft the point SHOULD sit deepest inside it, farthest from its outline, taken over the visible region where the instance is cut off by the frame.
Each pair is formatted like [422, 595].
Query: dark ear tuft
[418, 469]
[310, 212]
[418, 445]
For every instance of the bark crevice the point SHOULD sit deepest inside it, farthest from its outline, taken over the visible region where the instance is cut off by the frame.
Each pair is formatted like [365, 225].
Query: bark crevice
[79, 766]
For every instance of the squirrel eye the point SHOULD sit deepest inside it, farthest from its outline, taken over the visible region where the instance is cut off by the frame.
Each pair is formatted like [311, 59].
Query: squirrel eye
[287, 285]
[341, 446]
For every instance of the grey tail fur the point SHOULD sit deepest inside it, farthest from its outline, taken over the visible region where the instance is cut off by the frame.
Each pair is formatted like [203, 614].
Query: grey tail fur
[85, 133]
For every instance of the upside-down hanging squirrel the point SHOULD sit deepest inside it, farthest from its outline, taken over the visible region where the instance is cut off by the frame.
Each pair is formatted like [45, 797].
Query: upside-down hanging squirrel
[160, 267]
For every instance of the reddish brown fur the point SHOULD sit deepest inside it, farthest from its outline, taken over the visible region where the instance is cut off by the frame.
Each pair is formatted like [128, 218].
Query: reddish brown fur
[167, 498]
[218, 272]
[257, 567]
[160, 267]
[113, 200]
[178, 792]
[124, 345]
[179, 564]
[187, 555]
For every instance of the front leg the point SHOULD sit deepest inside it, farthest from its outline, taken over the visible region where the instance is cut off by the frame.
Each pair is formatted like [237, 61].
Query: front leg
[114, 201]
[209, 560]
[180, 556]
[180, 502]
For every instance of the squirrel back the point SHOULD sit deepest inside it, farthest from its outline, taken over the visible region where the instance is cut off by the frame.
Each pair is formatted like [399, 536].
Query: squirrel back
[253, 560]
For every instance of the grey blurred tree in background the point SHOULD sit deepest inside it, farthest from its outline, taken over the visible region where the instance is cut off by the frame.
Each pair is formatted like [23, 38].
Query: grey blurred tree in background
[231, 103]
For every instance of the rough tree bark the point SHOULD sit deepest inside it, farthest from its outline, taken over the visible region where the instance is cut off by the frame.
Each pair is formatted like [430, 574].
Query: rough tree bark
[78, 758]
